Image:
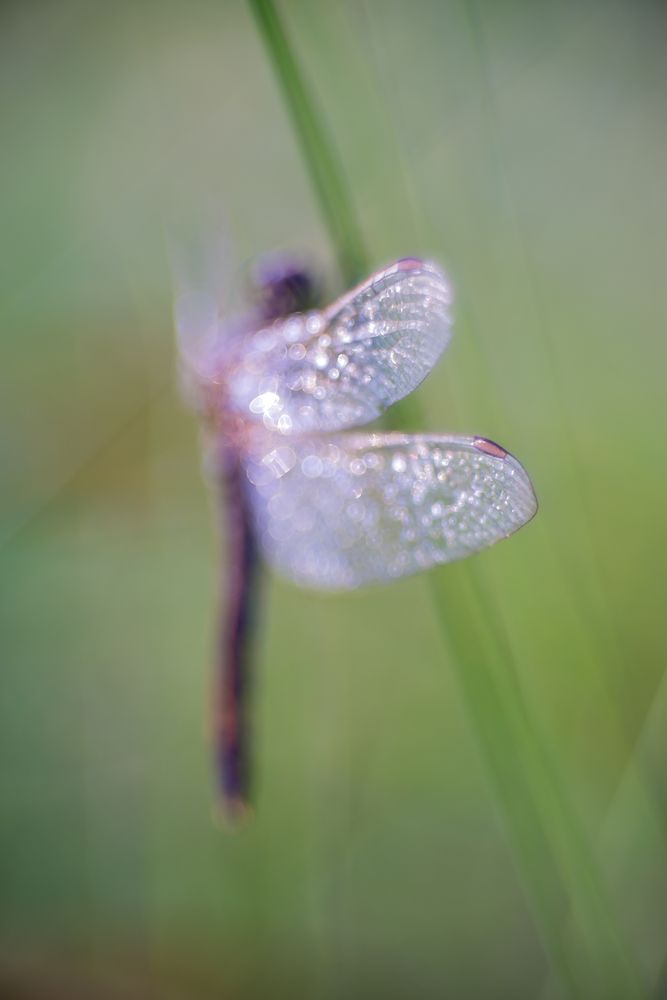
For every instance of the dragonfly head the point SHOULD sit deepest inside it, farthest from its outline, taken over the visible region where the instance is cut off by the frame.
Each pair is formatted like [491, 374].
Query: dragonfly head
[281, 285]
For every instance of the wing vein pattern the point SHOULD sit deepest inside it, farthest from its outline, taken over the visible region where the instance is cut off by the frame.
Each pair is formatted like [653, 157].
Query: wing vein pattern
[342, 511]
[341, 367]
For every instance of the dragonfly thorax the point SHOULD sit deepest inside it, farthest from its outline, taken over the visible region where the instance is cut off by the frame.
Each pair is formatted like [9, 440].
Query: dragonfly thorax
[281, 285]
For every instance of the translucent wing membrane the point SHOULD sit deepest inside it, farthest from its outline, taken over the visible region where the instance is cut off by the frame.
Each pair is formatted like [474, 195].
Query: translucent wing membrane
[329, 370]
[349, 510]
[201, 261]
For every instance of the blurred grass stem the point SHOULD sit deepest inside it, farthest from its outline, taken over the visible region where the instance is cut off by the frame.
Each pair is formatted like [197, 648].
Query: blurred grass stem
[318, 151]
[552, 851]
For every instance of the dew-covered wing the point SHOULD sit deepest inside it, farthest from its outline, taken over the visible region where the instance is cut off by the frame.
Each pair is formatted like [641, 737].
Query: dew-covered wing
[343, 366]
[354, 509]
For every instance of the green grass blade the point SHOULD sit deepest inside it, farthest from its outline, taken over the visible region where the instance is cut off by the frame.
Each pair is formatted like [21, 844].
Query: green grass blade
[552, 853]
[559, 868]
[317, 149]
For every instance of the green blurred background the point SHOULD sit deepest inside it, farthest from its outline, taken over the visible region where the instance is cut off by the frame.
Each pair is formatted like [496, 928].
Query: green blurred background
[523, 145]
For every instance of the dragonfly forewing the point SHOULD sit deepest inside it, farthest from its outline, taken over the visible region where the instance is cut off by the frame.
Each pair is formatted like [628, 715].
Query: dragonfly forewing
[328, 370]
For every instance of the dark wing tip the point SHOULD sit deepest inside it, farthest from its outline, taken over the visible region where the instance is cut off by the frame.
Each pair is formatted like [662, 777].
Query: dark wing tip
[490, 448]
[409, 264]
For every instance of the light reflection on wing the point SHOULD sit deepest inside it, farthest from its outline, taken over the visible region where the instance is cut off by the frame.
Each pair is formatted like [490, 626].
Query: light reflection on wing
[341, 367]
[354, 509]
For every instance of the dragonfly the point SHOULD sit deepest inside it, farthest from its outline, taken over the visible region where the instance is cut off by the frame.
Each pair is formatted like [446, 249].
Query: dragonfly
[282, 391]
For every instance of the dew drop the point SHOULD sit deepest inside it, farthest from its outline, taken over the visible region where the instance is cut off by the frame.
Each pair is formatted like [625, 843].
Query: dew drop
[312, 466]
[297, 352]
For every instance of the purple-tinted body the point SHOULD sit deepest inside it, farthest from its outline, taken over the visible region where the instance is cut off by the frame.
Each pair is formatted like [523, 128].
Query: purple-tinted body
[281, 288]
[233, 679]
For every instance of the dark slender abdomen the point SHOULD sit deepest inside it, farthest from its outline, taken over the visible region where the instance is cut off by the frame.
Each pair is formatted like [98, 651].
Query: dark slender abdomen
[234, 668]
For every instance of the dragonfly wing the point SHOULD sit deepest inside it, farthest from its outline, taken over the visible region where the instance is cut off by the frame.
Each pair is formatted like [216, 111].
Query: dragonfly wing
[348, 510]
[343, 366]
[201, 261]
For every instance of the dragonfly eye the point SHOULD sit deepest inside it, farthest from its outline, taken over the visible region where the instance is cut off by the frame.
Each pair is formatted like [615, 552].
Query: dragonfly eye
[281, 285]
